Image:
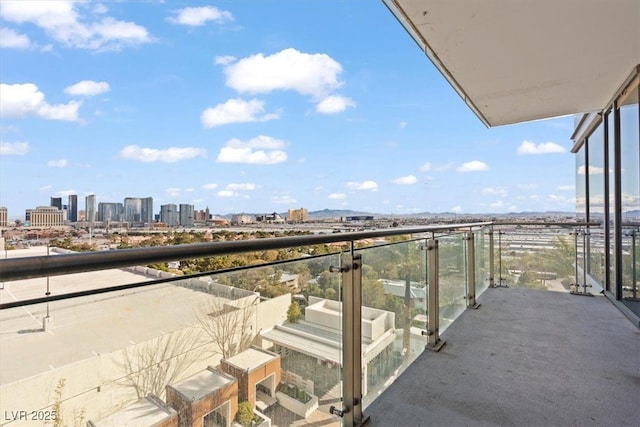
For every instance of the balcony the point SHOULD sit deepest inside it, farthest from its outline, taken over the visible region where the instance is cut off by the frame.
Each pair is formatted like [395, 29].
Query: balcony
[519, 333]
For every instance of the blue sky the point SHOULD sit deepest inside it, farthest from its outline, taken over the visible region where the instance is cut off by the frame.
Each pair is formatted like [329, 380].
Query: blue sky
[253, 106]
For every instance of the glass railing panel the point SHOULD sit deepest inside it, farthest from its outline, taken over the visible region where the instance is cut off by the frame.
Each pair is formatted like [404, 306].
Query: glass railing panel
[452, 278]
[92, 357]
[394, 312]
[630, 269]
[481, 240]
[541, 257]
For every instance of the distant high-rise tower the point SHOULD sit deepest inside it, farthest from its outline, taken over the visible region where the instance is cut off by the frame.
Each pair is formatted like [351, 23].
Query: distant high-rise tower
[73, 208]
[169, 215]
[186, 215]
[56, 202]
[110, 212]
[138, 211]
[90, 209]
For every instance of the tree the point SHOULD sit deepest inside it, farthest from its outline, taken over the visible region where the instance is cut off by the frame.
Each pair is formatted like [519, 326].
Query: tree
[293, 313]
[229, 323]
[152, 365]
[245, 413]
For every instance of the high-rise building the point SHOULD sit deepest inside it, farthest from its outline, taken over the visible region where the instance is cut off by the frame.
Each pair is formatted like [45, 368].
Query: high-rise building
[186, 215]
[110, 212]
[297, 215]
[72, 214]
[147, 210]
[56, 202]
[169, 215]
[3, 217]
[90, 209]
[138, 210]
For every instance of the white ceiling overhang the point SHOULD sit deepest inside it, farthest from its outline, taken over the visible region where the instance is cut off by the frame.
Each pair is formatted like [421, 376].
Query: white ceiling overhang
[520, 60]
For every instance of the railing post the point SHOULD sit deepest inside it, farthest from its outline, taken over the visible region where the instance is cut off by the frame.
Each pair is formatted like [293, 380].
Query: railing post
[471, 271]
[351, 411]
[433, 331]
[492, 268]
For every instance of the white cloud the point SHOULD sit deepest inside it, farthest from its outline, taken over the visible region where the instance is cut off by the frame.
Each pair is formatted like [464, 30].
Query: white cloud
[426, 167]
[263, 150]
[46, 188]
[211, 186]
[87, 88]
[58, 163]
[197, 16]
[173, 191]
[14, 148]
[473, 166]
[456, 209]
[224, 60]
[495, 191]
[406, 180]
[236, 111]
[227, 193]
[566, 188]
[334, 104]
[241, 187]
[22, 100]
[402, 125]
[308, 74]
[66, 193]
[74, 24]
[169, 155]
[337, 196]
[529, 147]
[284, 199]
[366, 185]
[9, 39]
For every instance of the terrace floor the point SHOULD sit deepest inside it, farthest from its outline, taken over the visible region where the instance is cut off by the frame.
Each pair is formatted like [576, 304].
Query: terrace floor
[524, 358]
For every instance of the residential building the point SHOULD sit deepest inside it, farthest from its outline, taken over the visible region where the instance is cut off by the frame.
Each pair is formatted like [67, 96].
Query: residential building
[186, 215]
[169, 215]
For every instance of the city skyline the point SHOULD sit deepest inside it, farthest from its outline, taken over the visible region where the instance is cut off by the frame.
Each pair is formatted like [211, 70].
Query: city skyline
[216, 106]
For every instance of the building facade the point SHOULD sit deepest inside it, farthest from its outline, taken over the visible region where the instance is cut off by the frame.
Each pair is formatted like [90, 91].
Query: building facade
[3, 217]
[110, 212]
[72, 210]
[298, 215]
[45, 216]
[90, 211]
[169, 215]
[186, 215]
[607, 148]
[138, 211]
[56, 202]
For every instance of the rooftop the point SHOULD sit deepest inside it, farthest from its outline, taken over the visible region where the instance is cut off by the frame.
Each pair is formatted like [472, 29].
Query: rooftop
[251, 359]
[202, 384]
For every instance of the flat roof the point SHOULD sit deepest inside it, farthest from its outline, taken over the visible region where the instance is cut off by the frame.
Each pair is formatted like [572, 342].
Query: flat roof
[517, 61]
[251, 359]
[200, 385]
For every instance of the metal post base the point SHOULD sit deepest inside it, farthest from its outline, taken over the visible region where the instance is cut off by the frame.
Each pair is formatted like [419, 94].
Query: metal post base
[365, 419]
[435, 347]
[584, 294]
[475, 306]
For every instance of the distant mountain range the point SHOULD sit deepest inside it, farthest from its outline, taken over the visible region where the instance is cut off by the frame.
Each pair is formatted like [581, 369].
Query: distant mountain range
[337, 213]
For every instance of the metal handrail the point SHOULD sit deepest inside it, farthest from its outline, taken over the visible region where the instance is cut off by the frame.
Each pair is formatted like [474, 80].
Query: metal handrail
[42, 266]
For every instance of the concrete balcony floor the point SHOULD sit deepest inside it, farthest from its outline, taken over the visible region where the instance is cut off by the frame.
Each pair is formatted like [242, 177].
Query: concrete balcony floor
[524, 358]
